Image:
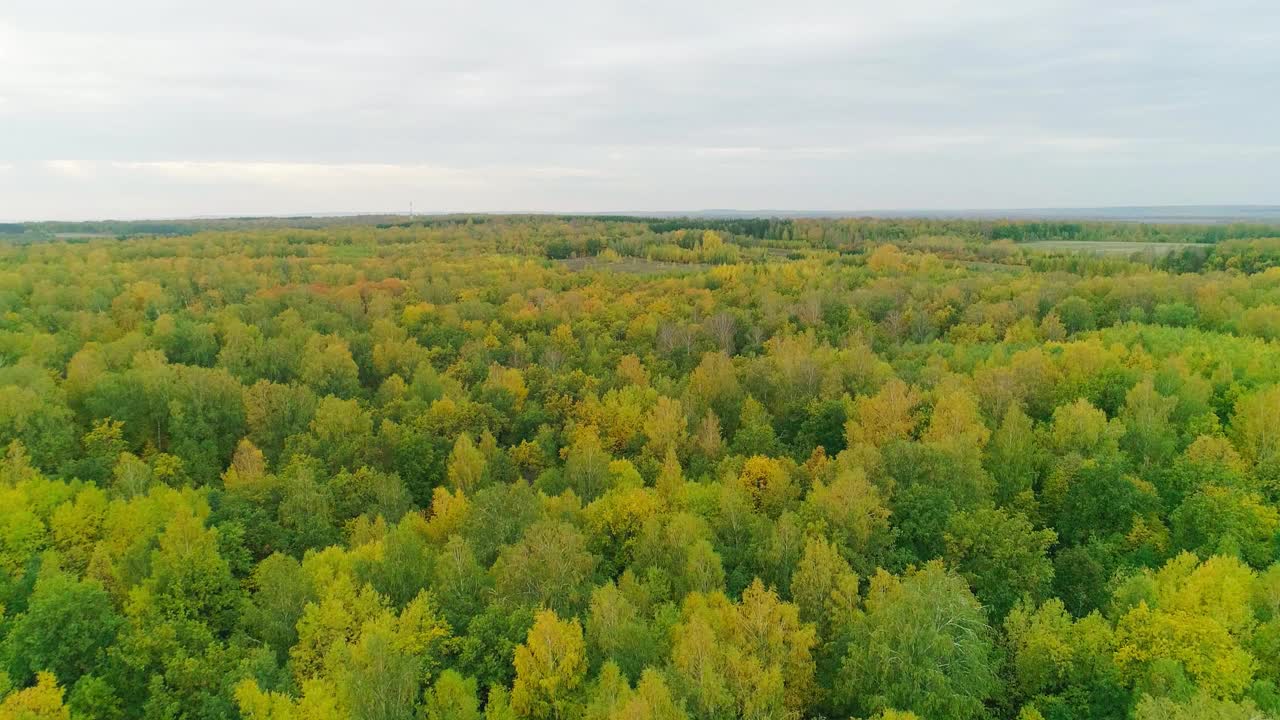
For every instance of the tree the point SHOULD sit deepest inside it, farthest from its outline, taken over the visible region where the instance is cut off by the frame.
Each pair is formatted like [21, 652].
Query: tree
[498, 516]
[615, 632]
[275, 412]
[886, 258]
[1001, 555]
[453, 697]
[1149, 436]
[317, 703]
[498, 705]
[367, 491]
[66, 629]
[492, 635]
[328, 368]
[930, 483]
[415, 454]
[1063, 662]
[1101, 501]
[755, 435]
[1083, 429]
[714, 387]
[824, 588]
[888, 415]
[36, 416]
[43, 701]
[670, 478]
[665, 427]
[248, 471]
[922, 645]
[206, 419]
[752, 659]
[379, 680]
[1227, 521]
[1200, 707]
[459, 581]
[853, 513]
[407, 563]
[466, 465]
[1076, 314]
[1200, 647]
[1255, 426]
[1013, 457]
[651, 700]
[340, 433]
[76, 526]
[281, 591]
[768, 483]
[549, 567]
[189, 578]
[823, 427]
[586, 467]
[356, 658]
[102, 445]
[550, 666]
[325, 469]
[955, 419]
[1188, 621]
[306, 511]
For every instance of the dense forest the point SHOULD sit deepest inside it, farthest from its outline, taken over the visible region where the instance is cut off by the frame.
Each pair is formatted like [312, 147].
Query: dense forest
[582, 468]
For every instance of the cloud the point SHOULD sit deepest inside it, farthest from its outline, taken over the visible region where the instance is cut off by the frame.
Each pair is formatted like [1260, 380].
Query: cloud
[283, 173]
[728, 152]
[74, 169]
[339, 174]
[830, 103]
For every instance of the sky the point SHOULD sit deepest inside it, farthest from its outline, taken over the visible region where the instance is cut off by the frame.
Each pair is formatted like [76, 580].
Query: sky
[176, 108]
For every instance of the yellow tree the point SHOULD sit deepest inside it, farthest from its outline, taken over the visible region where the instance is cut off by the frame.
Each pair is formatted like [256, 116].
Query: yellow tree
[43, 701]
[888, 415]
[665, 426]
[466, 465]
[550, 666]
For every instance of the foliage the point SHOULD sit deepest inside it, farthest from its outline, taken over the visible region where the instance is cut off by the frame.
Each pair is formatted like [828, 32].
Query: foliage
[610, 468]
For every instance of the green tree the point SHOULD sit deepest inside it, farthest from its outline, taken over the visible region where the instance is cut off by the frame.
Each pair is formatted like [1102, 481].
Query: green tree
[1227, 521]
[1013, 457]
[281, 590]
[453, 697]
[328, 368]
[616, 632]
[549, 567]
[66, 629]
[923, 644]
[189, 578]
[1001, 555]
[755, 435]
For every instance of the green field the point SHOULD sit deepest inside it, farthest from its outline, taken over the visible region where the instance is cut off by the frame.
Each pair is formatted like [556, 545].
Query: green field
[1108, 247]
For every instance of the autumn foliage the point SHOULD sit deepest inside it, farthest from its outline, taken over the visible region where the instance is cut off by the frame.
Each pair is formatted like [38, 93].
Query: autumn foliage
[621, 469]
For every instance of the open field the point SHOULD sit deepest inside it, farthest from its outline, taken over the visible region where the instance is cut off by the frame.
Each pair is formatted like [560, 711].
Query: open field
[998, 267]
[1108, 248]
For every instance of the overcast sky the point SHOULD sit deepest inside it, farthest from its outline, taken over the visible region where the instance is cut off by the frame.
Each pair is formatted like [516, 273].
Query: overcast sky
[171, 108]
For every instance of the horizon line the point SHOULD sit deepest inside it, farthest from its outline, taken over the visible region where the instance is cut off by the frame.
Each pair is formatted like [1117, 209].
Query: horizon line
[1271, 211]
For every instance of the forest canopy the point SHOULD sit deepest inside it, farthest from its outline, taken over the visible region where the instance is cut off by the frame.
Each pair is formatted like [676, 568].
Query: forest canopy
[613, 468]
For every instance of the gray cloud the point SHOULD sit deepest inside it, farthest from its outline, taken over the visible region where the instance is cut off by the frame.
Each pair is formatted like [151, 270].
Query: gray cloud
[153, 107]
